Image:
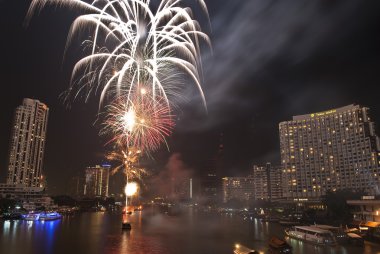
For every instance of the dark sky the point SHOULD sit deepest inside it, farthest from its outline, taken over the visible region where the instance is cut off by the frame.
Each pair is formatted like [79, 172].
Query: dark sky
[271, 60]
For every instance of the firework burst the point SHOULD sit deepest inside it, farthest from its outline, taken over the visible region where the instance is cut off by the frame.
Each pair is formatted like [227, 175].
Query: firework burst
[133, 42]
[127, 160]
[139, 121]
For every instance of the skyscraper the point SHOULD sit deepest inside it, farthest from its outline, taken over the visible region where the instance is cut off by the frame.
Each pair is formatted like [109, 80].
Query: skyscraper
[330, 150]
[27, 143]
[75, 186]
[211, 180]
[267, 182]
[96, 181]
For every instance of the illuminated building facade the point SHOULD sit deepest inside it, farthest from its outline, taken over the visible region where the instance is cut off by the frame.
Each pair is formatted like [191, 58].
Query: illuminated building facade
[261, 182]
[240, 188]
[27, 144]
[96, 181]
[267, 182]
[331, 150]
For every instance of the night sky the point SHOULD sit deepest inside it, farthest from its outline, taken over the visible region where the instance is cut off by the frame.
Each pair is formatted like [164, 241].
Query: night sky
[271, 60]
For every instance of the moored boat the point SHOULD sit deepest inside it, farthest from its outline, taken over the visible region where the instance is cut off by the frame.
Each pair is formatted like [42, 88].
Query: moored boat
[339, 233]
[276, 245]
[312, 234]
[241, 249]
[355, 239]
[126, 226]
[42, 216]
[46, 216]
[32, 216]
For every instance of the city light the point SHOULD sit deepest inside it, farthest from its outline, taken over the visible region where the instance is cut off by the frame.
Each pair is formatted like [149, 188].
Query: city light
[245, 145]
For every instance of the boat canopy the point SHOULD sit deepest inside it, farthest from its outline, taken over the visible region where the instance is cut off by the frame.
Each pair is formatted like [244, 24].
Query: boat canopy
[313, 229]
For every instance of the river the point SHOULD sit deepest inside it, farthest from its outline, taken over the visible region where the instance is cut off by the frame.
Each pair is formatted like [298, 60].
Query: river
[152, 232]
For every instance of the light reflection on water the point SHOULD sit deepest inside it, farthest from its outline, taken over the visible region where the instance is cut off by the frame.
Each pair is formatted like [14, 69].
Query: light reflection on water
[152, 232]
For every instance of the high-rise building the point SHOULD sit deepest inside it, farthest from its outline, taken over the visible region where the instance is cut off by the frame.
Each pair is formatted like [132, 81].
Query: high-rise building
[275, 182]
[27, 144]
[75, 186]
[96, 181]
[267, 182]
[260, 182]
[330, 150]
[210, 182]
[240, 188]
[212, 170]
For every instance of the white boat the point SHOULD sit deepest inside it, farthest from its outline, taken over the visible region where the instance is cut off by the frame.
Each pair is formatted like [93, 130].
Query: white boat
[338, 232]
[45, 216]
[32, 216]
[312, 234]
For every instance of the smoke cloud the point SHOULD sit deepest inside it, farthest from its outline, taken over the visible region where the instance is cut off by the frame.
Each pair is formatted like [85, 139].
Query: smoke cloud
[173, 181]
[265, 50]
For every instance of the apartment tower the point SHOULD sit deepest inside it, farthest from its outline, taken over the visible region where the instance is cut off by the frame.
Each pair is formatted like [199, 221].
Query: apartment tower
[27, 144]
[96, 181]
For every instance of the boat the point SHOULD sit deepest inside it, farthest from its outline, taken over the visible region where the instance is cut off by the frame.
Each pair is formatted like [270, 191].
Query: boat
[32, 216]
[43, 216]
[311, 234]
[339, 233]
[127, 210]
[46, 216]
[276, 245]
[355, 239]
[241, 249]
[126, 226]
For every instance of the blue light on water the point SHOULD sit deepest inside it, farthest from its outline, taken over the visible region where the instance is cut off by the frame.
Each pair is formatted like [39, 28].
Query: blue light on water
[48, 230]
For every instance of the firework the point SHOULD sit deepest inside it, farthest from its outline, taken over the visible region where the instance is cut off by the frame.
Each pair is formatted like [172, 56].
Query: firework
[130, 189]
[140, 121]
[133, 42]
[127, 160]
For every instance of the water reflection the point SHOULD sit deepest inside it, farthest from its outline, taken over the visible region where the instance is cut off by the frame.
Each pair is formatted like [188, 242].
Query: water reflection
[152, 232]
[28, 236]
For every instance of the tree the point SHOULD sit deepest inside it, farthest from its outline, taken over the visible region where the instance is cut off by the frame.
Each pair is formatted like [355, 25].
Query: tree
[338, 211]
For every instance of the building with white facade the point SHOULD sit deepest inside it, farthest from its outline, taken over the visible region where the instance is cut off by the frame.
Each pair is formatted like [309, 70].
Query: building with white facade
[330, 150]
[27, 145]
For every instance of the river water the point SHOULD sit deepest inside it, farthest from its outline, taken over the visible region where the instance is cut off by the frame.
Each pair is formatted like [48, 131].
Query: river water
[152, 232]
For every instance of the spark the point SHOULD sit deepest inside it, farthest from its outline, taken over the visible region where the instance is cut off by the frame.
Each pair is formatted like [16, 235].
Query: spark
[139, 122]
[133, 42]
[130, 189]
[127, 162]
